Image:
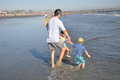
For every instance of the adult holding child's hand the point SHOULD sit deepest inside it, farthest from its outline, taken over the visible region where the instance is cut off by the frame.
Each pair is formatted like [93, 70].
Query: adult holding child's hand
[53, 36]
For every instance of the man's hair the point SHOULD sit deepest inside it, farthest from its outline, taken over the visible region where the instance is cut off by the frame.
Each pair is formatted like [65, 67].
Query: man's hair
[57, 12]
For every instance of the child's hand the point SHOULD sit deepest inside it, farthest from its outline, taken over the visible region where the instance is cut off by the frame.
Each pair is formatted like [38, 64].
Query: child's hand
[69, 42]
[89, 56]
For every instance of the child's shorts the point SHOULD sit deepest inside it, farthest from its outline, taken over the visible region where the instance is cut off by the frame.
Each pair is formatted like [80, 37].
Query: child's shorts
[79, 59]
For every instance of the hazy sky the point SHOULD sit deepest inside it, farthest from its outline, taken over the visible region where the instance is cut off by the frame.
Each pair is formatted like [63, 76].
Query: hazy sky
[54, 4]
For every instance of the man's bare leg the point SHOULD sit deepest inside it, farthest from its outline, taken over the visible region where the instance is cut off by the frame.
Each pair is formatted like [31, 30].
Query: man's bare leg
[61, 56]
[52, 58]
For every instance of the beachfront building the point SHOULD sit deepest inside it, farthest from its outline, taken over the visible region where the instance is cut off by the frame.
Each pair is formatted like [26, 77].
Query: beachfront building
[3, 13]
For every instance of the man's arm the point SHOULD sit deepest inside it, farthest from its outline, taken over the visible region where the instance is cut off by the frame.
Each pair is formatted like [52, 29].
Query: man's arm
[67, 35]
[87, 54]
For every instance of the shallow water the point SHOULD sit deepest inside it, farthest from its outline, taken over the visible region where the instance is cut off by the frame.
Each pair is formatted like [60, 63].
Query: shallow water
[22, 45]
[24, 53]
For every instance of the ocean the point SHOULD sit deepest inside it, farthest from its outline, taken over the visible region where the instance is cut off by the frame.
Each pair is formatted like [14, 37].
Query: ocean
[24, 54]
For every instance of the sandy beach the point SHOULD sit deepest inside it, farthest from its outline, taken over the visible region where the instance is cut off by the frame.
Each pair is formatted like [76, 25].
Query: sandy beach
[19, 15]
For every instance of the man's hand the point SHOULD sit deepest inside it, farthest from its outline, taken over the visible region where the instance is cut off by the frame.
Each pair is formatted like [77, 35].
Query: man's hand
[69, 39]
[69, 42]
[67, 35]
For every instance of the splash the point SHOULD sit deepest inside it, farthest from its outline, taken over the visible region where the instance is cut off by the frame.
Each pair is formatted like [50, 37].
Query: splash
[62, 72]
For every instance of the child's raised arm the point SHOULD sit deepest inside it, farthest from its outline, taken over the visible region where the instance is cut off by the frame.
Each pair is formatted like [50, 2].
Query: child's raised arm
[87, 54]
[66, 39]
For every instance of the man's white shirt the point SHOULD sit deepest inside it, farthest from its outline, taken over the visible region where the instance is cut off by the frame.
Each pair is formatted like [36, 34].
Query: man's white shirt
[54, 25]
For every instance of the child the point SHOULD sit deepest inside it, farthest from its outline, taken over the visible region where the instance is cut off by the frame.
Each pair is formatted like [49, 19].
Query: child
[78, 50]
[63, 39]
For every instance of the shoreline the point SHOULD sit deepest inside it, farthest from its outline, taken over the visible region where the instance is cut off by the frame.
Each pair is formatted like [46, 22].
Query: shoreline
[19, 15]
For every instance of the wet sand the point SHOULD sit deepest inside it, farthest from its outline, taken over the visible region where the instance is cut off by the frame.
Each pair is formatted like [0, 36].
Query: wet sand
[20, 15]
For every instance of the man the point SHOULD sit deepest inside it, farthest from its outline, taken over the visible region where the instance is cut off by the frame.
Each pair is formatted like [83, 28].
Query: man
[53, 36]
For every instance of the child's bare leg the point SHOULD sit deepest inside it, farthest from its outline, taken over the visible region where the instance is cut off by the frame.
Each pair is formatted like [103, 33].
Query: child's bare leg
[61, 56]
[67, 51]
[79, 65]
[83, 65]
